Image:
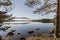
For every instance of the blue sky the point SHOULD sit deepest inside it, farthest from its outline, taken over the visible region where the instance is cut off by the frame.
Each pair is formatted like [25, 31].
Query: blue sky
[21, 10]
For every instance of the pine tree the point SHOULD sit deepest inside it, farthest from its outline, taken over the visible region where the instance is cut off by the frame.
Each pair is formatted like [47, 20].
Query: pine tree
[4, 9]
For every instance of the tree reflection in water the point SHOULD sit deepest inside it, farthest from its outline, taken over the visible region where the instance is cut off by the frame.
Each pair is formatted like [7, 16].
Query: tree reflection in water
[4, 28]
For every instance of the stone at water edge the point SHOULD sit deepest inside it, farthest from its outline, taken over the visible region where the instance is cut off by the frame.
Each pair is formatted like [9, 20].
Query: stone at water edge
[0, 37]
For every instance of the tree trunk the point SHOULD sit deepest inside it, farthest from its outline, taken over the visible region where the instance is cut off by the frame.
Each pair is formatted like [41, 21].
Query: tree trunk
[57, 18]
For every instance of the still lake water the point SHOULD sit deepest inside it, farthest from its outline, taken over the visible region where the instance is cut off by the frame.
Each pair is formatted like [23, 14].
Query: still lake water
[24, 28]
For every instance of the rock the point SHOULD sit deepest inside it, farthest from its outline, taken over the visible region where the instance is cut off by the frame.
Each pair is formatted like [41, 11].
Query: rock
[37, 29]
[18, 33]
[10, 33]
[0, 37]
[22, 38]
[30, 32]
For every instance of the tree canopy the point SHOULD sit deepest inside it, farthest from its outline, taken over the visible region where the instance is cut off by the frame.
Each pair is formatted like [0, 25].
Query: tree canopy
[5, 7]
[46, 6]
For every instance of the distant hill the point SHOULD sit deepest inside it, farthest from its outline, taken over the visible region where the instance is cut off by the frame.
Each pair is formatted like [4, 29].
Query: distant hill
[21, 18]
[24, 18]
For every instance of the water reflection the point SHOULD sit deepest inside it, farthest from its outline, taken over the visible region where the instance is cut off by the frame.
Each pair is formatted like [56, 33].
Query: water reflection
[24, 30]
[4, 28]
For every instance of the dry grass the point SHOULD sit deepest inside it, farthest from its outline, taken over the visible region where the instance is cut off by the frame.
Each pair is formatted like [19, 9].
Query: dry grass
[42, 38]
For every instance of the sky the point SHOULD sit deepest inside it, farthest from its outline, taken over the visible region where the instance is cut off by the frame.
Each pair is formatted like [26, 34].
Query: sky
[21, 10]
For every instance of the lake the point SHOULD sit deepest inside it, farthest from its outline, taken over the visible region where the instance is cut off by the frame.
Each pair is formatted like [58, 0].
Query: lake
[24, 28]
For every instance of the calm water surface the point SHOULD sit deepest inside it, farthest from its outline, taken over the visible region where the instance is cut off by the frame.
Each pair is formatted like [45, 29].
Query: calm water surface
[24, 28]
